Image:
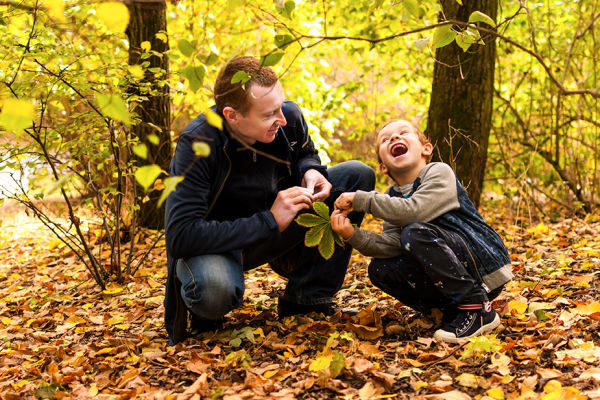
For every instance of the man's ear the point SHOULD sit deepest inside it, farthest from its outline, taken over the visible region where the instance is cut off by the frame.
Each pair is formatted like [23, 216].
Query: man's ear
[231, 116]
[383, 169]
[427, 149]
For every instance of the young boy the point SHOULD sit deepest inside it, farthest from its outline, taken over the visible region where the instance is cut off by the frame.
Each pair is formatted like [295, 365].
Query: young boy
[435, 251]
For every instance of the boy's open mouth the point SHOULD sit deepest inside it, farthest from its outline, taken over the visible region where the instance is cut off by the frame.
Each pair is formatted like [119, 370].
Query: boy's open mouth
[398, 149]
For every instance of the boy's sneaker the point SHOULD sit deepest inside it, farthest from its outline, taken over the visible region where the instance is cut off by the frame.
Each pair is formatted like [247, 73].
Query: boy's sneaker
[472, 320]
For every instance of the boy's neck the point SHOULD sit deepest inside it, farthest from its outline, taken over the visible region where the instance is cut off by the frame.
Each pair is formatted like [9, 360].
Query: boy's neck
[405, 177]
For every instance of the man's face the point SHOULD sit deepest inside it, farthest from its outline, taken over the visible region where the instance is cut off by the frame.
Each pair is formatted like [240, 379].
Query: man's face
[264, 117]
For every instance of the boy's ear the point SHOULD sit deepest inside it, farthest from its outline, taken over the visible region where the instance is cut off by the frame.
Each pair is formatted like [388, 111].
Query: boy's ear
[383, 169]
[427, 149]
[231, 116]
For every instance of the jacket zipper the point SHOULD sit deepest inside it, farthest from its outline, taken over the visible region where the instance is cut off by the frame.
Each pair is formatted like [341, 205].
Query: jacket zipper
[222, 183]
[485, 287]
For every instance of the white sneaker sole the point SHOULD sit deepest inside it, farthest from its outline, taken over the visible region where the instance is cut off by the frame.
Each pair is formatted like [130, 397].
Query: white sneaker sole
[451, 337]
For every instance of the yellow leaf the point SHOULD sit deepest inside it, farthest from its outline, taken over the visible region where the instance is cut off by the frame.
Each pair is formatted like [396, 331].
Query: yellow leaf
[6, 321]
[539, 230]
[214, 119]
[552, 386]
[75, 320]
[16, 114]
[587, 309]
[115, 320]
[93, 391]
[136, 71]
[114, 15]
[161, 36]
[106, 350]
[321, 363]
[517, 306]
[122, 326]
[496, 393]
[113, 288]
[56, 9]
[87, 306]
[467, 380]
[146, 45]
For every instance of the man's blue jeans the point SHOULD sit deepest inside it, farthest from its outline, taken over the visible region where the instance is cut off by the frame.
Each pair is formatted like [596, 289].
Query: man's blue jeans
[212, 285]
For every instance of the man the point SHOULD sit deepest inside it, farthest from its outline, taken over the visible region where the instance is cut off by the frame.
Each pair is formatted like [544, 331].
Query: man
[234, 209]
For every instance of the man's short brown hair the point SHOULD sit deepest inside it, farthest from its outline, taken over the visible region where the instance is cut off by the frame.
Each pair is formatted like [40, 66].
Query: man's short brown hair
[236, 95]
[422, 138]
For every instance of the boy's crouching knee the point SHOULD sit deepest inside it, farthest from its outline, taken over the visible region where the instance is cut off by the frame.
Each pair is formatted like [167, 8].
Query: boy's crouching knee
[412, 231]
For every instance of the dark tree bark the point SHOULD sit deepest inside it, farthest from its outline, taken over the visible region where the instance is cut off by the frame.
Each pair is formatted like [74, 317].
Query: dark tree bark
[147, 18]
[460, 110]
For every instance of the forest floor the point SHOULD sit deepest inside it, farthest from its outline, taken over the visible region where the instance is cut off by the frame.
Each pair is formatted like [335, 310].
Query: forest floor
[61, 336]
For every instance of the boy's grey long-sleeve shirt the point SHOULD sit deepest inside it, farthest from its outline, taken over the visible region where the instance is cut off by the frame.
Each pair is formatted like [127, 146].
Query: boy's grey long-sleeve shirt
[435, 197]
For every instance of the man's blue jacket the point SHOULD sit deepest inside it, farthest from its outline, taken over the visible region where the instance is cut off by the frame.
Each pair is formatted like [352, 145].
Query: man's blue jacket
[191, 226]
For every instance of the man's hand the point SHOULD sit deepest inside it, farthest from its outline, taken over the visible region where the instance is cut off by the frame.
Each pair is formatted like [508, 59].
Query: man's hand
[287, 204]
[341, 224]
[345, 201]
[318, 185]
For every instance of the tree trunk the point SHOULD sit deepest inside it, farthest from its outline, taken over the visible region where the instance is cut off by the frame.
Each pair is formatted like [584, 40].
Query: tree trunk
[460, 110]
[147, 18]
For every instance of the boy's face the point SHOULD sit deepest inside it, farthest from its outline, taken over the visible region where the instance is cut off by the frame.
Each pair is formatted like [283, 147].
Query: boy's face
[264, 117]
[401, 151]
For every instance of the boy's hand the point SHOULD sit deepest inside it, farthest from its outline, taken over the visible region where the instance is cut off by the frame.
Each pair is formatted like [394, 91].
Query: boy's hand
[341, 224]
[344, 202]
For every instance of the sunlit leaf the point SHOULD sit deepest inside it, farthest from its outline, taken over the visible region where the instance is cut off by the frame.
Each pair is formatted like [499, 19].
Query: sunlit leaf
[213, 119]
[16, 115]
[140, 150]
[271, 59]
[146, 175]
[478, 16]
[496, 393]
[321, 363]
[337, 364]
[588, 309]
[113, 106]
[195, 76]
[241, 77]
[321, 209]
[308, 220]
[170, 186]
[412, 6]
[113, 14]
[201, 149]
[185, 47]
[283, 41]
[136, 71]
[56, 9]
[442, 36]
[327, 244]
[517, 306]
[314, 235]
[153, 138]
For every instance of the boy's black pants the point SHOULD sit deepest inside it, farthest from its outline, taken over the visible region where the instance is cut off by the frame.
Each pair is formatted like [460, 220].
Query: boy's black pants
[435, 270]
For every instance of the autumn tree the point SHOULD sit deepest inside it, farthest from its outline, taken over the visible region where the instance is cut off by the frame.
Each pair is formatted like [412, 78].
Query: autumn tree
[460, 110]
[147, 46]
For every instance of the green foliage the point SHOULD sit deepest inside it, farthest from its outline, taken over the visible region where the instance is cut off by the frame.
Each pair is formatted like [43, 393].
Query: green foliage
[479, 345]
[320, 233]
